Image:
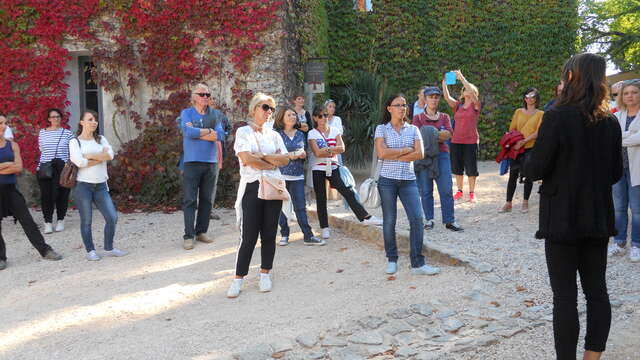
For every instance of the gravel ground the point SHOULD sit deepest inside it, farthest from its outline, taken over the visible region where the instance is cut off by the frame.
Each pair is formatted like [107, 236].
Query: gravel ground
[162, 302]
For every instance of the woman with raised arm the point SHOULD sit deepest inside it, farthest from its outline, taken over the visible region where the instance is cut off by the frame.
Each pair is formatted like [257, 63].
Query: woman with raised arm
[399, 144]
[464, 143]
[12, 202]
[577, 156]
[326, 143]
[90, 152]
[261, 151]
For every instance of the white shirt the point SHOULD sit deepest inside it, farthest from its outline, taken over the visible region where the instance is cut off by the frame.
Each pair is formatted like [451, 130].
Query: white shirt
[320, 163]
[95, 174]
[8, 134]
[336, 122]
[270, 143]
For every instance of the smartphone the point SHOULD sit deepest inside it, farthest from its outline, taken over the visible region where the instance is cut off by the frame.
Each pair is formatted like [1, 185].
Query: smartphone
[450, 78]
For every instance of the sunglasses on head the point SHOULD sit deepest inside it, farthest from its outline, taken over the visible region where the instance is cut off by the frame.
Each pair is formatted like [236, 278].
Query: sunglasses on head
[267, 107]
[204, 94]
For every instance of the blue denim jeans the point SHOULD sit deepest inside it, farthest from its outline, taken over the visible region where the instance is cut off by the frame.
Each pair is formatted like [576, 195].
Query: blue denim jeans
[87, 194]
[625, 196]
[407, 190]
[296, 190]
[445, 185]
[198, 182]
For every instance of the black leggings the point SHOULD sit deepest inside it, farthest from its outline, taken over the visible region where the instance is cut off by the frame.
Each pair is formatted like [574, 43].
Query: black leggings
[52, 195]
[259, 217]
[514, 174]
[10, 197]
[589, 259]
[335, 180]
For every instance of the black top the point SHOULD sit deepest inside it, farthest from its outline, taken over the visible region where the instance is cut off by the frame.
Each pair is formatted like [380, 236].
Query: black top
[578, 163]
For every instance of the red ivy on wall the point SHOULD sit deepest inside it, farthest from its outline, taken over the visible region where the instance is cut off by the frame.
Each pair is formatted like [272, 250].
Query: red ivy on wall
[168, 44]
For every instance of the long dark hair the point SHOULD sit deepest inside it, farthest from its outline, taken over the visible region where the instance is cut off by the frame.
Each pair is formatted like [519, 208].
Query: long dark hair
[587, 88]
[530, 90]
[96, 134]
[278, 120]
[386, 115]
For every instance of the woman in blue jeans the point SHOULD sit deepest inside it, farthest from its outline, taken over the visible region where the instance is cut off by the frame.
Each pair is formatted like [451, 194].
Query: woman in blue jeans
[90, 152]
[398, 144]
[626, 192]
[285, 124]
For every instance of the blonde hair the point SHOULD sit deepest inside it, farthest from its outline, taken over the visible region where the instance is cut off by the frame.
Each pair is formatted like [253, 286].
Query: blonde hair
[471, 88]
[196, 87]
[619, 103]
[260, 98]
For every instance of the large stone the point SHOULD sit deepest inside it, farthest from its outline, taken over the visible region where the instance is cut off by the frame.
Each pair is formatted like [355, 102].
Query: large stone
[452, 325]
[428, 356]
[349, 327]
[481, 267]
[422, 309]
[373, 350]
[445, 313]
[486, 340]
[409, 338]
[307, 340]
[419, 321]
[258, 352]
[405, 352]
[348, 353]
[431, 333]
[396, 327]
[401, 313]
[280, 346]
[510, 332]
[371, 322]
[367, 338]
[315, 355]
[333, 341]
[479, 324]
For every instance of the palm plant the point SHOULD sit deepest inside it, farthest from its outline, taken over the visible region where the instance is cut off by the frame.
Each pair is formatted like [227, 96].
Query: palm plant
[359, 104]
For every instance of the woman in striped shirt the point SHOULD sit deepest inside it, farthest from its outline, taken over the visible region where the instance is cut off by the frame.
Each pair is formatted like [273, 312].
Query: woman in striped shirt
[53, 142]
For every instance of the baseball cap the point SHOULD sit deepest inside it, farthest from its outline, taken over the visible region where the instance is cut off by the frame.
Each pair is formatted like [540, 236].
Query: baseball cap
[432, 90]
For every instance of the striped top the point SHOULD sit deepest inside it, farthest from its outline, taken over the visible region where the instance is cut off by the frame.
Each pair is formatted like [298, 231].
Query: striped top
[54, 143]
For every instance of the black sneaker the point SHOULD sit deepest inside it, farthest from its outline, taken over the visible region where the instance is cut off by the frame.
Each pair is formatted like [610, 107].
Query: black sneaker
[429, 224]
[454, 227]
[52, 255]
[315, 241]
[3, 264]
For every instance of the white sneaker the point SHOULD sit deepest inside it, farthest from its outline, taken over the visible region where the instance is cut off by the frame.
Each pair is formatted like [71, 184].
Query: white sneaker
[634, 254]
[284, 241]
[234, 289]
[48, 228]
[93, 256]
[373, 221]
[60, 225]
[326, 233]
[265, 282]
[116, 252]
[615, 250]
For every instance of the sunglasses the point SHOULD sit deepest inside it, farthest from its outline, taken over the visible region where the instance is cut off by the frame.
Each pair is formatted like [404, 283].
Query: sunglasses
[203, 94]
[530, 95]
[267, 107]
[55, 117]
[614, 94]
[322, 115]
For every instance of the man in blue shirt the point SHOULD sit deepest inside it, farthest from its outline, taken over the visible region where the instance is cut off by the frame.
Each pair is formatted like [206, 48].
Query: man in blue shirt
[201, 128]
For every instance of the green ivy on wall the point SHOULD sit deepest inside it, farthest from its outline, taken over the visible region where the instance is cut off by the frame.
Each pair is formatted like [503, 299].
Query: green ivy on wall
[502, 47]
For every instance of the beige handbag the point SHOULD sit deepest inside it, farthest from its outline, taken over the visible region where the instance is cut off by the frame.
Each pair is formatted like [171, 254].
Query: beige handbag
[271, 188]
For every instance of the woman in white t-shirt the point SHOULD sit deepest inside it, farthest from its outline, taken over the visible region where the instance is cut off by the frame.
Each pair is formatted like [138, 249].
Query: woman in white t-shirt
[261, 151]
[90, 151]
[334, 121]
[326, 143]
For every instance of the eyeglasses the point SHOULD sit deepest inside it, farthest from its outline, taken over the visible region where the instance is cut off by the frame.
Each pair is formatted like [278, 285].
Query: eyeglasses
[614, 94]
[55, 117]
[267, 107]
[399, 105]
[203, 94]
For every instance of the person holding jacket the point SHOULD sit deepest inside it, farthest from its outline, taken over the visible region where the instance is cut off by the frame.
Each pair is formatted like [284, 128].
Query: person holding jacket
[577, 156]
[626, 192]
[527, 121]
[432, 118]
[293, 174]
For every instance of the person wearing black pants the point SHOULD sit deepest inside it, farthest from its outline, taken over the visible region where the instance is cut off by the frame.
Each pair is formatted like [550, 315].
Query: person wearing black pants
[261, 153]
[589, 259]
[12, 202]
[54, 196]
[577, 156]
[319, 187]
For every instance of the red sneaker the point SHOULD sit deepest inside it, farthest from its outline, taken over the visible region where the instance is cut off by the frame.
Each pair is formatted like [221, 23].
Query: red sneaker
[458, 195]
[472, 198]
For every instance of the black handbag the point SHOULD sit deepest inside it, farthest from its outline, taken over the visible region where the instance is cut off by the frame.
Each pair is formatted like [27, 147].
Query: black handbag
[45, 170]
